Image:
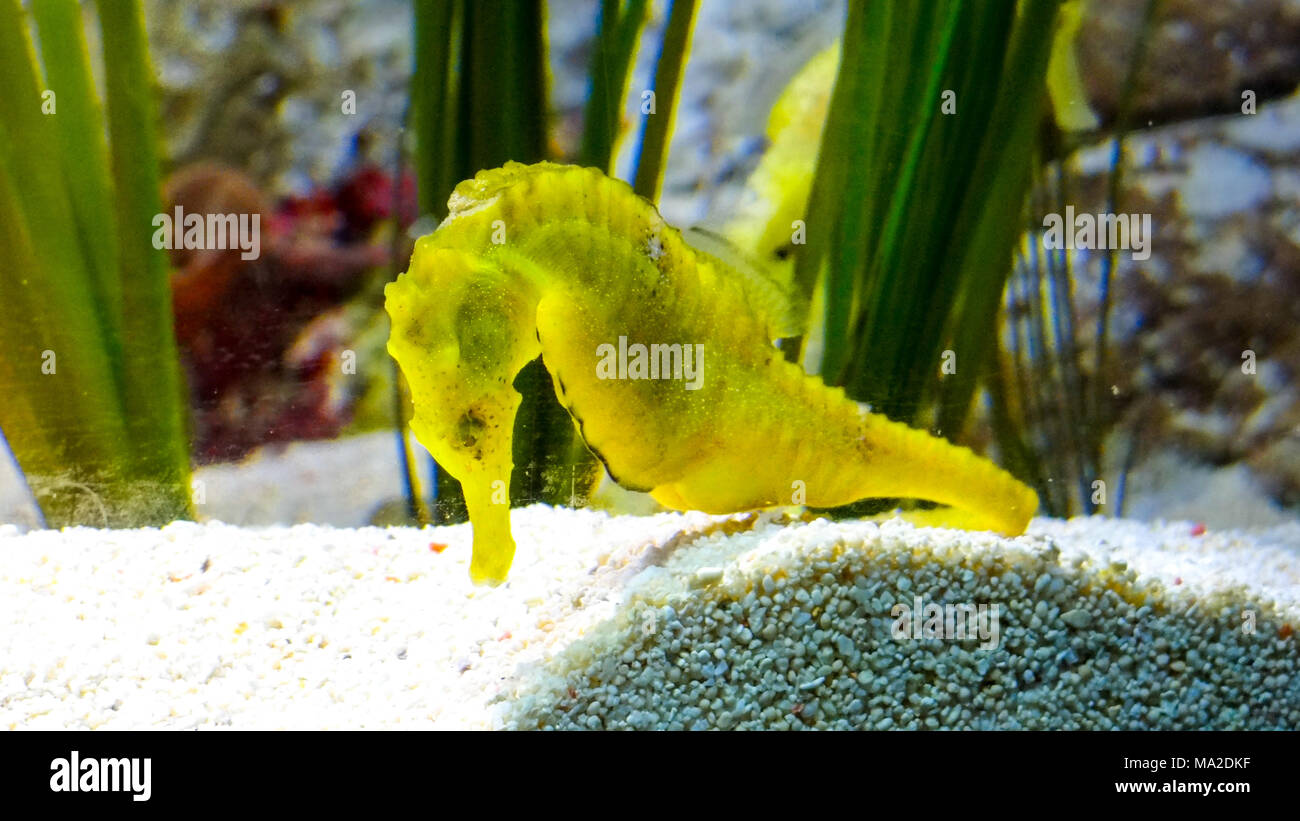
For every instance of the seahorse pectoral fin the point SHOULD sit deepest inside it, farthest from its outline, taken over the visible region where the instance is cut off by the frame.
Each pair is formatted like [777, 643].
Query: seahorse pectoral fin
[767, 287]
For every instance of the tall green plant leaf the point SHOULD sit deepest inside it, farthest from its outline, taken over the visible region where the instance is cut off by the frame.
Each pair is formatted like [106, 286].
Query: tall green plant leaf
[83, 152]
[433, 87]
[152, 388]
[1057, 415]
[992, 222]
[93, 406]
[657, 128]
[611, 63]
[916, 204]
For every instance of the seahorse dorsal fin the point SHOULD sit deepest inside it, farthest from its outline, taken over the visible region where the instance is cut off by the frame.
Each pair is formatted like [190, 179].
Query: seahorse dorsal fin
[775, 299]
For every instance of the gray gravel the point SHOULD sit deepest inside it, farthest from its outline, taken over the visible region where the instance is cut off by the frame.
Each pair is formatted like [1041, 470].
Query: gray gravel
[1100, 624]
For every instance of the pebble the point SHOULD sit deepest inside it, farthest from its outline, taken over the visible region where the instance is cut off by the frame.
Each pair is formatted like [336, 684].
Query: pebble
[708, 575]
[1077, 618]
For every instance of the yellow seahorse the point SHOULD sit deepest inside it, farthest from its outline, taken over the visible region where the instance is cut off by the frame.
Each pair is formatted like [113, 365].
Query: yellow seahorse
[565, 262]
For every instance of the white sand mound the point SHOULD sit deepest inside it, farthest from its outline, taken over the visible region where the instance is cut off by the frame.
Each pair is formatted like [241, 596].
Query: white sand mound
[675, 621]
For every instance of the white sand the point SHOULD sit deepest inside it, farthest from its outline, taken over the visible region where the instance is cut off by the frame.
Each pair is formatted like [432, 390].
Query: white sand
[317, 627]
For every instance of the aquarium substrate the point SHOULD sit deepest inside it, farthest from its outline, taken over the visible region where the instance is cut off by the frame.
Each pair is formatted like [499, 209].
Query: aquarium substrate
[675, 621]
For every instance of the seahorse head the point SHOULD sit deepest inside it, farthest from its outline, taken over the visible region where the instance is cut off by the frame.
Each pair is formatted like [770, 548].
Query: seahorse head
[462, 329]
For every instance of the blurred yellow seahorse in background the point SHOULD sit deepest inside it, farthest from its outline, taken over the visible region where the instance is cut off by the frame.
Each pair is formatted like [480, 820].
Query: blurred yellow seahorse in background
[776, 193]
[565, 262]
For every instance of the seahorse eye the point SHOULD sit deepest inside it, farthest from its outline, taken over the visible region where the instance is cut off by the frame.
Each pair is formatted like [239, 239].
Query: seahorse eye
[469, 427]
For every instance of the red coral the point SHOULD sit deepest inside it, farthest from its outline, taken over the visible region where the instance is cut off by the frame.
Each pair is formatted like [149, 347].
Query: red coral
[259, 367]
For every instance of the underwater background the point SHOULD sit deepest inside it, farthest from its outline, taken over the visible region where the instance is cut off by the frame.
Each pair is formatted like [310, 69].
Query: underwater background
[248, 103]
